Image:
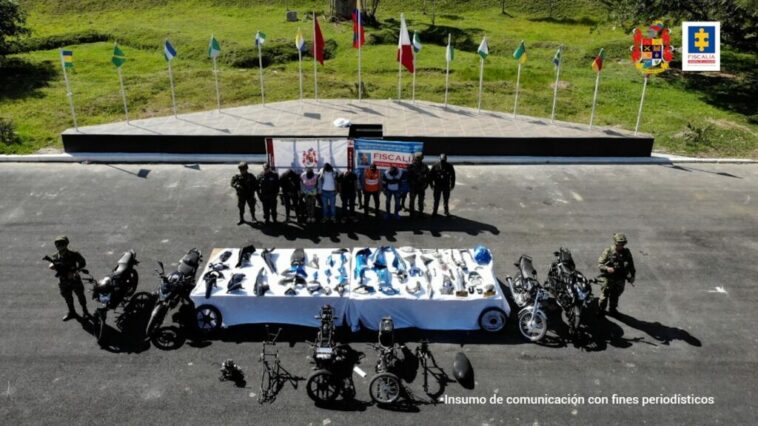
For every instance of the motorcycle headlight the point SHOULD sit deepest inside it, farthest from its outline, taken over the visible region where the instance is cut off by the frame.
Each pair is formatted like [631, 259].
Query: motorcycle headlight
[104, 298]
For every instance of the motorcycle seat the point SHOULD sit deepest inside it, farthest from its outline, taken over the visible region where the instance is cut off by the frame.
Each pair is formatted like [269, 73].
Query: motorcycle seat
[124, 263]
[185, 269]
[527, 269]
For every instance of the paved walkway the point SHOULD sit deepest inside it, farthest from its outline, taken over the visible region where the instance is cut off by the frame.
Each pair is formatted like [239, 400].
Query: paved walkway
[311, 118]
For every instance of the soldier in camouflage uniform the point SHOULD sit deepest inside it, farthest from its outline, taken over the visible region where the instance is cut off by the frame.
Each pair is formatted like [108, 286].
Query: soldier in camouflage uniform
[616, 267]
[246, 186]
[67, 264]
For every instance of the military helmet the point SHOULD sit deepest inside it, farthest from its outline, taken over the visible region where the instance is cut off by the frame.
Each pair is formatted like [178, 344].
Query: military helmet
[61, 240]
[242, 165]
[619, 238]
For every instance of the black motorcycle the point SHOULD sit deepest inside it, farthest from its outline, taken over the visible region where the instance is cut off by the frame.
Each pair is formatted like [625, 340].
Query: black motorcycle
[386, 387]
[571, 289]
[173, 289]
[334, 363]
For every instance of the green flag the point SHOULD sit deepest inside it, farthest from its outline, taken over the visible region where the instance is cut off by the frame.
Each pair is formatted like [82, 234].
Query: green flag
[118, 56]
[449, 52]
[520, 53]
[483, 50]
[214, 49]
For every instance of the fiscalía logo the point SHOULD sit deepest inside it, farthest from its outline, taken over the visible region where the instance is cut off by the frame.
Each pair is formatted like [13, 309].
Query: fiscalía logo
[652, 51]
[310, 158]
[701, 46]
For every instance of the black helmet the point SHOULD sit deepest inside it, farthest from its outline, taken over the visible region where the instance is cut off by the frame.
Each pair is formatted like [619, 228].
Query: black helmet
[242, 165]
[61, 240]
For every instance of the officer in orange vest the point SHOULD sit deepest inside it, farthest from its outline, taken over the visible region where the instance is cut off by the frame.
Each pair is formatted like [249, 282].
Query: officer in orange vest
[372, 186]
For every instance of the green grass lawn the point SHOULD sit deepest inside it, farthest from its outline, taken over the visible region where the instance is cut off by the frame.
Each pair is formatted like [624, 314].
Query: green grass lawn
[712, 115]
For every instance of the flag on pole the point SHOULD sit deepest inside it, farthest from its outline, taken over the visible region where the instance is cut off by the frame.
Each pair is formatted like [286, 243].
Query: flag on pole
[404, 49]
[449, 52]
[520, 53]
[260, 38]
[416, 42]
[597, 64]
[168, 51]
[557, 57]
[118, 56]
[359, 34]
[299, 41]
[68, 58]
[318, 41]
[483, 49]
[214, 49]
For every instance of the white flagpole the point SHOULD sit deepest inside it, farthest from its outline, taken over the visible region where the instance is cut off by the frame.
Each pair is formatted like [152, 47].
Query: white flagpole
[218, 92]
[594, 99]
[557, 79]
[123, 93]
[260, 69]
[447, 68]
[481, 80]
[69, 94]
[518, 83]
[642, 100]
[315, 61]
[171, 80]
[300, 70]
[413, 90]
[360, 47]
[400, 62]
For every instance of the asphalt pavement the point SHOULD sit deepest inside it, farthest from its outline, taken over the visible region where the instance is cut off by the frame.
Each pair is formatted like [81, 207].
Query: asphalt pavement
[686, 328]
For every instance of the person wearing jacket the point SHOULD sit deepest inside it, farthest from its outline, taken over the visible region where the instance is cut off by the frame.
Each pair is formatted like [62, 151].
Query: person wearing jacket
[327, 187]
[268, 190]
[418, 181]
[290, 184]
[391, 183]
[442, 181]
[309, 189]
[372, 185]
[347, 184]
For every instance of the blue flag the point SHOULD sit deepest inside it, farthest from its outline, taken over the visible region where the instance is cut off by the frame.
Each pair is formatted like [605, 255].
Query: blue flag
[168, 51]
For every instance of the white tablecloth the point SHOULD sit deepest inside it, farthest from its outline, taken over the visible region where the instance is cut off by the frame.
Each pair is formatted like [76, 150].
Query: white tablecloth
[244, 307]
[440, 312]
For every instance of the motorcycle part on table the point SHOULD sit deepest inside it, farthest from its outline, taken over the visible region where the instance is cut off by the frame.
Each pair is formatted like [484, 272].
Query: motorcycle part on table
[489, 290]
[482, 255]
[210, 279]
[314, 261]
[225, 256]
[235, 283]
[414, 289]
[261, 283]
[243, 256]
[268, 259]
[447, 286]
[232, 372]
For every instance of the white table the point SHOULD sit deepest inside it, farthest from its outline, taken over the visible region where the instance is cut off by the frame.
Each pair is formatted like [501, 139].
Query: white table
[244, 307]
[438, 312]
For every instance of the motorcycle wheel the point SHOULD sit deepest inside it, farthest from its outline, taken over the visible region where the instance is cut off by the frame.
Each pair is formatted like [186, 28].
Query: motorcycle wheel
[492, 320]
[384, 388]
[207, 319]
[322, 387]
[532, 326]
[140, 302]
[156, 318]
[132, 280]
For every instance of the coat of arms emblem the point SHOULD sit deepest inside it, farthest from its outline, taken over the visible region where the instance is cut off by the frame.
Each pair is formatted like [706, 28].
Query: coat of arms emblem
[651, 52]
[310, 158]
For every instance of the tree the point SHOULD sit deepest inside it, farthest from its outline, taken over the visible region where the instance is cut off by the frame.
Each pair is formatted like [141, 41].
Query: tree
[12, 24]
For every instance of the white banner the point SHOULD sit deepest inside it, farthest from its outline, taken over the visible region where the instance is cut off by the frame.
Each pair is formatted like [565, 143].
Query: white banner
[299, 154]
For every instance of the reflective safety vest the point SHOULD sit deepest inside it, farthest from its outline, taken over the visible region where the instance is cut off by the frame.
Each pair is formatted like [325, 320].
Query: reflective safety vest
[309, 185]
[371, 182]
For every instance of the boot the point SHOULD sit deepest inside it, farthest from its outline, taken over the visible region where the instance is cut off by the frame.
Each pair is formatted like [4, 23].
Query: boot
[69, 316]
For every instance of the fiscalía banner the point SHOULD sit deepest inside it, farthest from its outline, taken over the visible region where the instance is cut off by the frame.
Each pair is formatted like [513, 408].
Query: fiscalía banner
[385, 153]
[299, 154]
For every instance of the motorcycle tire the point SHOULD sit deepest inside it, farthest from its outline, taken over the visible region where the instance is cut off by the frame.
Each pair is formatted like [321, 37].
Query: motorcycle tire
[156, 319]
[531, 326]
[385, 388]
[492, 320]
[322, 387]
[208, 319]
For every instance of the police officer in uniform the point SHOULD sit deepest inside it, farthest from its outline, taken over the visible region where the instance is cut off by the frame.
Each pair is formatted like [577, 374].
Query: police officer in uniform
[442, 181]
[616, 268]
[246, 186]
[268, 189]
[290, 183]
[66, 264]
[418, 180]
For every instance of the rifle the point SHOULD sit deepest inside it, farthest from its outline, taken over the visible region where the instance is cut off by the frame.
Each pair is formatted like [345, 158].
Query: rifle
[57, 266]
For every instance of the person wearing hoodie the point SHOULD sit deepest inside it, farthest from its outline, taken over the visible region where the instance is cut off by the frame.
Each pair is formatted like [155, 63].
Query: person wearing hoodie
[391, 179]
[442, 179]
[309, 189]
[290, 183]
[327, 187]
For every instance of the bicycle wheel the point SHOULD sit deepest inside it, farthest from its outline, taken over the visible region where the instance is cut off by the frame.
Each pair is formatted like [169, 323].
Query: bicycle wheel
[384, 388]
[322, 387]
[266, 384]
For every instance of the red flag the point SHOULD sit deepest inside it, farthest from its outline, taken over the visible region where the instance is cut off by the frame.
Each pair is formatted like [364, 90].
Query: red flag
[318, 41]
[359, 36]
[404, 48]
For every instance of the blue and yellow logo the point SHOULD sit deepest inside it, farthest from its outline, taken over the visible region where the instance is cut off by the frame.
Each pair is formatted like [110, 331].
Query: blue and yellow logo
[701, 39]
